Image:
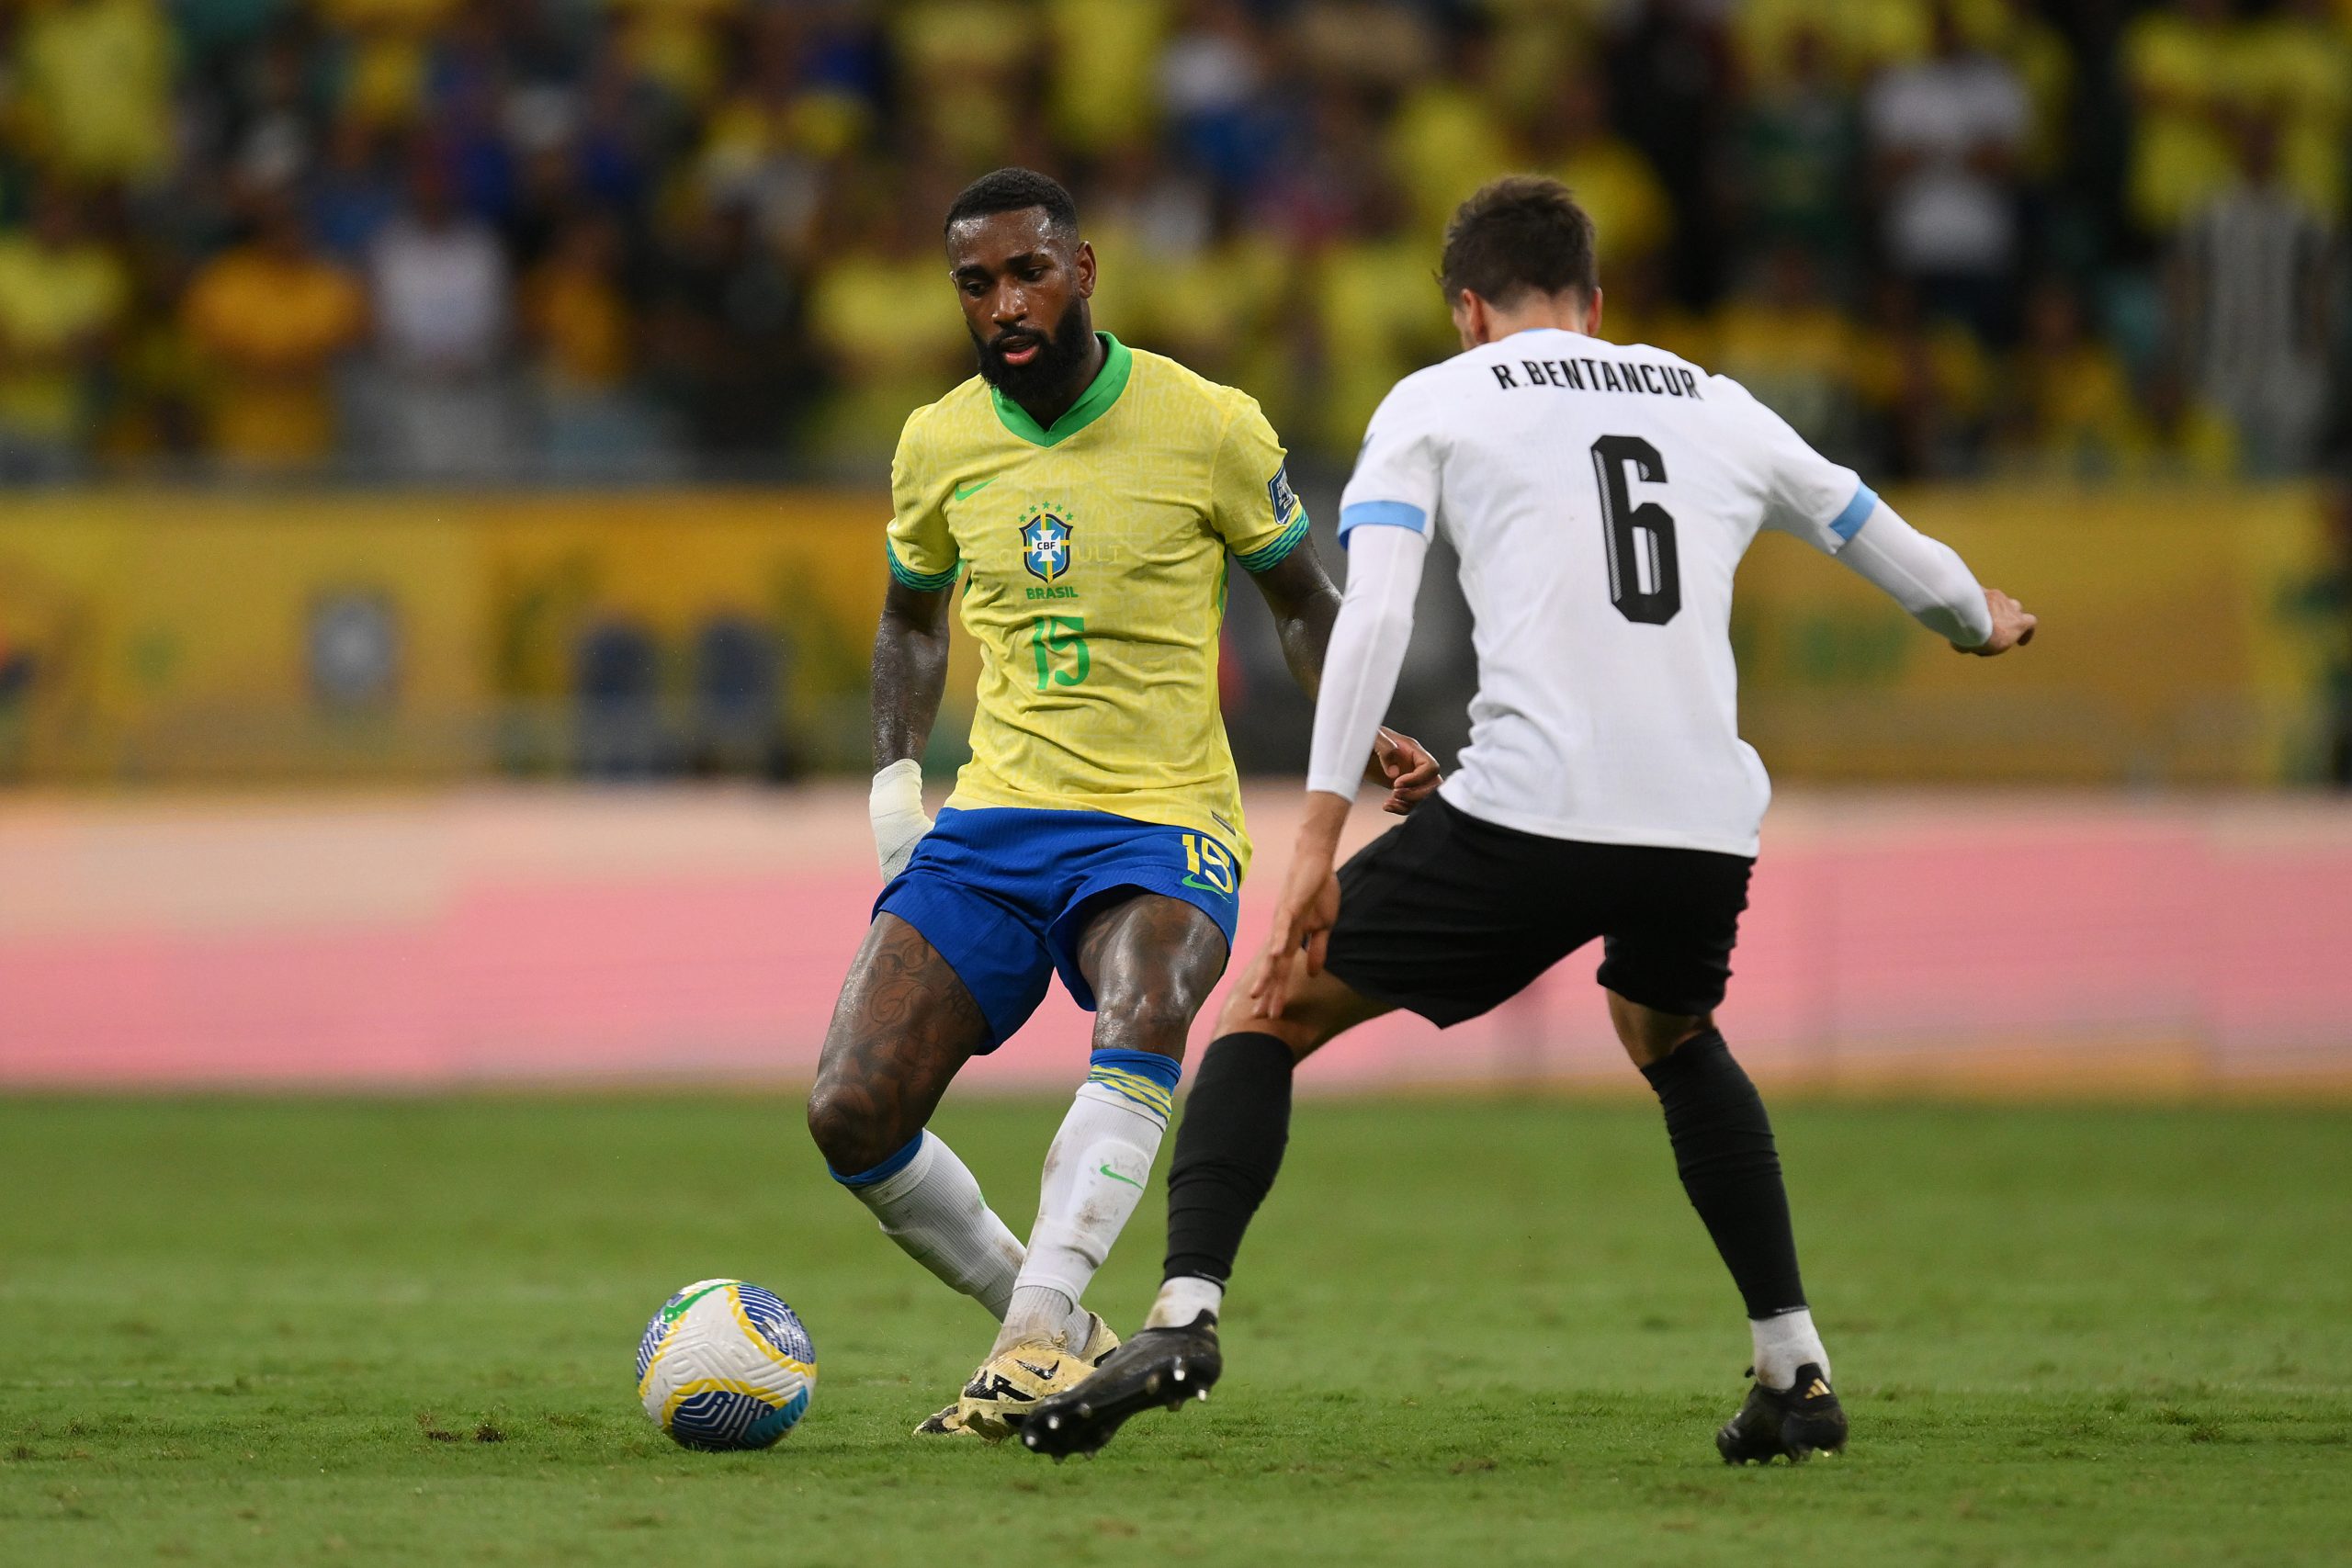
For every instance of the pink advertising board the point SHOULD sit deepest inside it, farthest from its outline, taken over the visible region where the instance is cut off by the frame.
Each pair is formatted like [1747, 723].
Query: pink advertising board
[562, 935]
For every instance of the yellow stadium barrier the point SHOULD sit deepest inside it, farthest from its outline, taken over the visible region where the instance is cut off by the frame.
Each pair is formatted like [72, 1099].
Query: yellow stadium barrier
[148, 636]
[2177, 647]
[158, 636]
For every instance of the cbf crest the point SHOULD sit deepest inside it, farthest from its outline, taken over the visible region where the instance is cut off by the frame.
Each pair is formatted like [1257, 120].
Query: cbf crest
[1045, 548]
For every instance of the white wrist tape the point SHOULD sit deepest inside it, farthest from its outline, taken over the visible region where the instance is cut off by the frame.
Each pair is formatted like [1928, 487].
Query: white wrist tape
[894, 807]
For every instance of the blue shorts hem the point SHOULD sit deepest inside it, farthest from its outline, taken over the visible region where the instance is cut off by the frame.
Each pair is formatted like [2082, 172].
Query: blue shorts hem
[942, 913]
[1003, 895]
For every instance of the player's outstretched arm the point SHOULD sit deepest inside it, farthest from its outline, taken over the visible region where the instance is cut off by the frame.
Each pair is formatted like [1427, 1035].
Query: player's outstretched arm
[2012, 625]
[1927, 578]
[1306, 604]
[910, 677]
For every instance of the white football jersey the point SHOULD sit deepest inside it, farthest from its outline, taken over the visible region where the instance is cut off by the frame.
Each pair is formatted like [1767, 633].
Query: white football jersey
[1601, 497]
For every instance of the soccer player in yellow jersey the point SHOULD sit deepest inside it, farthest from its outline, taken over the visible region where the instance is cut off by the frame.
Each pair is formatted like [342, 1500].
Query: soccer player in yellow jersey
[1078, 501]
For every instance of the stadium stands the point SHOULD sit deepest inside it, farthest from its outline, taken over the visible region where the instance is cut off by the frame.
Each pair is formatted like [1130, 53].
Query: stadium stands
[550, 239]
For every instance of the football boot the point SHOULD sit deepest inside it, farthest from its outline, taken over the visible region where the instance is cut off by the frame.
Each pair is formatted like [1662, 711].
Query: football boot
[1790, 1423]
[1011, 1381]
[1158, 1368]
[946, 1423]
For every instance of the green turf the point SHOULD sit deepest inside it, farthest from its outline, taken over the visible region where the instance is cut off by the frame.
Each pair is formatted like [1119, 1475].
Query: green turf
[1467, 1333]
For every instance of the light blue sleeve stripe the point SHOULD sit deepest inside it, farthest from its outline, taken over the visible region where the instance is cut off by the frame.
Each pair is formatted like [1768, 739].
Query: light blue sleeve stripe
[1857, 512]
[1382, 514]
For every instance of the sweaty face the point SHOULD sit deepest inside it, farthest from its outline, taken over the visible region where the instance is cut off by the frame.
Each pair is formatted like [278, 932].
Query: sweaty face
[1024, 288]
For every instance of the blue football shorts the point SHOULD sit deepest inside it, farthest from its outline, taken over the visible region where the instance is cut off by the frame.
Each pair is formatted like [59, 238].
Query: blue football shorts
[1004, 894]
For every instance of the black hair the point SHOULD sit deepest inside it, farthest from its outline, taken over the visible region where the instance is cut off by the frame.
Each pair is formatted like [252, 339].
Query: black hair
[1016, 190]
[1519, 234]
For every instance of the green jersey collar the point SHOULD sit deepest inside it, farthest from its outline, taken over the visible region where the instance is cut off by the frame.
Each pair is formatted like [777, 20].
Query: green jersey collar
[1091, 405]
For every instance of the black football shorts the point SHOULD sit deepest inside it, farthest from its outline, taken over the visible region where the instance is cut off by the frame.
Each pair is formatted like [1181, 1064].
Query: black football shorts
[1448, 917]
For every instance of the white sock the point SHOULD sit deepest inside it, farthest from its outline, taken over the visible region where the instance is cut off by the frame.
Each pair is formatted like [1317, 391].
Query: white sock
[1784, 1344]
[1094, 1176]
[1183, 1299]
[1044, 1312]
[932, 1208]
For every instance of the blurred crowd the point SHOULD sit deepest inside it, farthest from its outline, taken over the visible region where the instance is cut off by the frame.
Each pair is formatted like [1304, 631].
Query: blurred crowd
[652, 239]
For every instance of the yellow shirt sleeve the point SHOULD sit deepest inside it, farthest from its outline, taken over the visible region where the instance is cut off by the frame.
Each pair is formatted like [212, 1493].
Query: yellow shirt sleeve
[921, 550]
[1255, 511]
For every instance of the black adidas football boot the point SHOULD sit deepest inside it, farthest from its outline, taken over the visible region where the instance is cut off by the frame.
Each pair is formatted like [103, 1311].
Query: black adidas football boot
[1794, 1423]
[1159, 1367]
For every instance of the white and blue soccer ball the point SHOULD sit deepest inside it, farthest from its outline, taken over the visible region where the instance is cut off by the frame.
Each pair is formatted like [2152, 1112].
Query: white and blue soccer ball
[726, 1365]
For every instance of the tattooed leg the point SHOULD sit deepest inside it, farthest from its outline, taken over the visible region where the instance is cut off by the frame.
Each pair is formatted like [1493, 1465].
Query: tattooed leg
[904, 1026]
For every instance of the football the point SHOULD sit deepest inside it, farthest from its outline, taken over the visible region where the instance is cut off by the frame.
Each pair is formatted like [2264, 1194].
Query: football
[726, 1365]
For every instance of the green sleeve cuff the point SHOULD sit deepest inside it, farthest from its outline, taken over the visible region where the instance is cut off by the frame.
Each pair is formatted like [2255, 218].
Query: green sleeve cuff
[922, 582]
[1275, 554]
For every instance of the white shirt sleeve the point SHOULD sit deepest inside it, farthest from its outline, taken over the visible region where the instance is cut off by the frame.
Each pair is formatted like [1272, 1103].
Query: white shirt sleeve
[1396, 478]
[1925, 576]
[1804, 493]
[1828, 506]
[1367, 652]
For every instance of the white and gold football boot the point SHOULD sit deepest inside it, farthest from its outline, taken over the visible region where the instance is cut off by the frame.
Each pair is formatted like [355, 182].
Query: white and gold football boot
[947, 1423]
[1012, 1381]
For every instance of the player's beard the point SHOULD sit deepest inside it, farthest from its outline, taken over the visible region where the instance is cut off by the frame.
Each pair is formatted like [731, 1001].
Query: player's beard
[1060, 354]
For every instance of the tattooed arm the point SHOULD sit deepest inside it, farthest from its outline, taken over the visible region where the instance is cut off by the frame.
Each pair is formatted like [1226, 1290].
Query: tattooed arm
[910, 673]
[909, 670]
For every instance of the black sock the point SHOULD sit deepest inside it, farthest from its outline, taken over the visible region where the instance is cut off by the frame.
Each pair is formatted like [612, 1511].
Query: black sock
[1723, 1147]
[1228, 1147]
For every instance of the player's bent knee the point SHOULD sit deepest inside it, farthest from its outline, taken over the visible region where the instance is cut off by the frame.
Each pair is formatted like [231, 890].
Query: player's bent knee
[1650, 1036]
[1134, 1022]
[1304, 1025]
[1303, 1038]
[1238, 1019]
[849, 1138]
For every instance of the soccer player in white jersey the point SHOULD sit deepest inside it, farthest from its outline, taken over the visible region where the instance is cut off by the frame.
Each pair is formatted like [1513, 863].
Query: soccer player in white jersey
[1601, 497]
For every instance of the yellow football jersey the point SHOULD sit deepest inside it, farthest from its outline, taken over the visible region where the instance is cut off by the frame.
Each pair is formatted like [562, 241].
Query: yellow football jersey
[1093, 559]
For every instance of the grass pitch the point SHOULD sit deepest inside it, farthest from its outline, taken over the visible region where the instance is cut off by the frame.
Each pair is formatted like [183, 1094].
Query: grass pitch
[1465, 1333]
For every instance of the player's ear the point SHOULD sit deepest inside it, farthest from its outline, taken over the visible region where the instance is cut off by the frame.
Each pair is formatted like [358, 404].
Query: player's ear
[1592, 317]
[1085, 270]
[1470, 318]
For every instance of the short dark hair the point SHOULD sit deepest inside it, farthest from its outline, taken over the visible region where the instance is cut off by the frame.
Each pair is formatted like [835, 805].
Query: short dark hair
[1015, 190]
[1519, 234]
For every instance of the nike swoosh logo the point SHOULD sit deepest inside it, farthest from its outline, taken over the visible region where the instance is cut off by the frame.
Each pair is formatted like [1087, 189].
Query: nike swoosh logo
[1116, 1177]
[965, 492]
[1035, 1370]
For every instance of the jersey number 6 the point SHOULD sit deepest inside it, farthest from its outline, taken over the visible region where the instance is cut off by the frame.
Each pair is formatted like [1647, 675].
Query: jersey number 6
[1644, 572]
